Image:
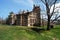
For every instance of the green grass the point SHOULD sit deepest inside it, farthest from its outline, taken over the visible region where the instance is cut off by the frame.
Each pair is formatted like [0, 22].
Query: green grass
[24, 33]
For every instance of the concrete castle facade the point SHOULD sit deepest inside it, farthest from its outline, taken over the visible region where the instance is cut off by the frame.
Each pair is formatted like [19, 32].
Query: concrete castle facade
[26, 18]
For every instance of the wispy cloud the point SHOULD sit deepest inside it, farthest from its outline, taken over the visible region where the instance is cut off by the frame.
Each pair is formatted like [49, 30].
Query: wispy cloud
[24, 2]
[57, 6]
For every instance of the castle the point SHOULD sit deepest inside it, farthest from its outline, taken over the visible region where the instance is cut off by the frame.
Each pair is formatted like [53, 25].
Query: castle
[26, 18]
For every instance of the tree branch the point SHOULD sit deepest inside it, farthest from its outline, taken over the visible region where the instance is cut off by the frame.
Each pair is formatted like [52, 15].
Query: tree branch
[43, 1]
[56, 18]
[53, 9]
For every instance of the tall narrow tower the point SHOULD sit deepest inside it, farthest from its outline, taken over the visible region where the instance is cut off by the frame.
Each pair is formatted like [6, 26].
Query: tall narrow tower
[36, 10]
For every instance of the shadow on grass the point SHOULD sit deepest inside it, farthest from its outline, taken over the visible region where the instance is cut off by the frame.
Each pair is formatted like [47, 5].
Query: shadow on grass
[38, 30]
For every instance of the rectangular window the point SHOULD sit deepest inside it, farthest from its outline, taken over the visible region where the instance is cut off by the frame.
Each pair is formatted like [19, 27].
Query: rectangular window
[30, 24]
[30, 20]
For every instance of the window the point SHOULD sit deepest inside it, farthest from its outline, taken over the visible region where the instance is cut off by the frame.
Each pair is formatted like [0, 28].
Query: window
[30, 24]
[32, 20]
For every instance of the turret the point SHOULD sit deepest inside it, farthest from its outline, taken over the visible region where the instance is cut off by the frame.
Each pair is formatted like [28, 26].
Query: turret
[36, 9]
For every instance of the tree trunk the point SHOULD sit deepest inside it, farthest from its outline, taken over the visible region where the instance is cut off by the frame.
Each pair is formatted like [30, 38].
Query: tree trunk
[48, 24]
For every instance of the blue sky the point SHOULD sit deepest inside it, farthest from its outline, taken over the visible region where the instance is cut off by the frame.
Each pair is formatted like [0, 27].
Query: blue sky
[7, 6]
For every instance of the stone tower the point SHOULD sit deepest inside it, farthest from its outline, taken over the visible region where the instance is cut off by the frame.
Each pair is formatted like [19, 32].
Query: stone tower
[34, 17]
[36, 11]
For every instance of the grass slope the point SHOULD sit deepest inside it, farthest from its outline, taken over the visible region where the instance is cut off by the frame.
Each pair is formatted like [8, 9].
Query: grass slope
[24, 33]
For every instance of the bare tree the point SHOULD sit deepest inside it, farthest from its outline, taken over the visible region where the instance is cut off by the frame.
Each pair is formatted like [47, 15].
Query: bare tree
[48, 4]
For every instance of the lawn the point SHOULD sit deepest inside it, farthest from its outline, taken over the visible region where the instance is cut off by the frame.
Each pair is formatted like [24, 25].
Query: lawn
[24, 33]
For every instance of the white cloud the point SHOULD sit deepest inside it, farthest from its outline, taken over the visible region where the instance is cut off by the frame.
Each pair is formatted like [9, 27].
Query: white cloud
[57, 9]
[24, 2]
